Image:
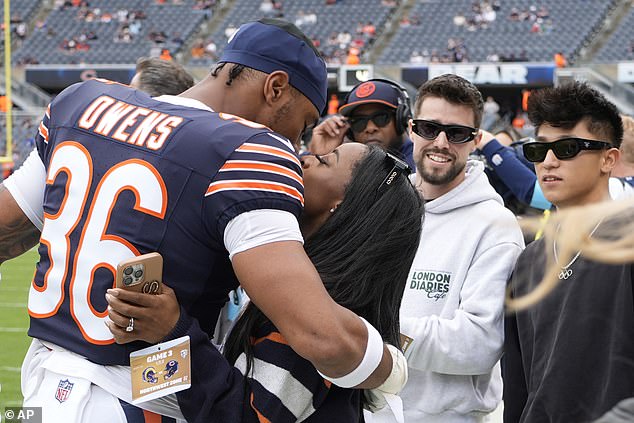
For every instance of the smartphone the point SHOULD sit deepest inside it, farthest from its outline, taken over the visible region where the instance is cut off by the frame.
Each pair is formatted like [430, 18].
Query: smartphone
[142, 273]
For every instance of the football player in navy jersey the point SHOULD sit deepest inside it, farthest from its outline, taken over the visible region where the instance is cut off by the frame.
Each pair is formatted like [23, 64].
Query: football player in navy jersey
[217, 194]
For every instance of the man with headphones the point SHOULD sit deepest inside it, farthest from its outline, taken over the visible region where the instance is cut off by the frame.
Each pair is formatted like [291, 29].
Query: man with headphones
[376, 111]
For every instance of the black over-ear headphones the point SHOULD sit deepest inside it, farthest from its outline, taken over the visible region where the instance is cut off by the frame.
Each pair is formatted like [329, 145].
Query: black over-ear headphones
[403, 111]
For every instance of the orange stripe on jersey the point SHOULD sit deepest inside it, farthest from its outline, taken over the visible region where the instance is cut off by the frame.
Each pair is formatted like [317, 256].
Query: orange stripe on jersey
[261, 418]
[251, 185]
[150, 417]
[248, 147]
[273, 336]
[262, 167]
[43, 131]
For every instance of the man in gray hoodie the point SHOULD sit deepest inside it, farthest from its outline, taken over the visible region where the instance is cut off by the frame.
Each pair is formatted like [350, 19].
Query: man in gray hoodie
[452, 310]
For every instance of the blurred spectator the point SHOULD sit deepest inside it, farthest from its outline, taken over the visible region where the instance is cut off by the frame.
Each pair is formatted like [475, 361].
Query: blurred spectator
[20, 31]
[560, 60]
[211, 50]
[16, 18]
[159, 77]
[344, 39]
[493, 57]
[165, 55]
[198, 49]
[157, 37]
[525, 95]
[305, 19]
[353, 57]
[491, 107]
[266, 7]
[459, 19]
[369, 29]
[124, 35]
[333, 104]
[490, 115]
[135, 27]
[416, 57]
[278, 6]
[177, 40]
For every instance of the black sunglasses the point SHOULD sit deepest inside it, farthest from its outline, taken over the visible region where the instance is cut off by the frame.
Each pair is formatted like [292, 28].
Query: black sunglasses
[399, 167]
[456, 134]
[565, 148]
[380, 119]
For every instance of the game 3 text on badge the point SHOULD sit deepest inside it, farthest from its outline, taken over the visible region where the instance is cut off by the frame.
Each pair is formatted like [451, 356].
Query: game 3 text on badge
[160, 356]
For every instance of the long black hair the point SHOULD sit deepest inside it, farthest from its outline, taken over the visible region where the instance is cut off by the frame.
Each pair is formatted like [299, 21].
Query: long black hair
[363, 252]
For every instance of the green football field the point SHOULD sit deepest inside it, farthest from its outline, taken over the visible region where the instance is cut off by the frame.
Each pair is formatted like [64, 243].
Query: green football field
[14, 321]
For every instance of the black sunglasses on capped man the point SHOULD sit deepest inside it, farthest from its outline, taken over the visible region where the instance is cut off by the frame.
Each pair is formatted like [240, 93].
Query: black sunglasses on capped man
[380, 119]
[565, 148]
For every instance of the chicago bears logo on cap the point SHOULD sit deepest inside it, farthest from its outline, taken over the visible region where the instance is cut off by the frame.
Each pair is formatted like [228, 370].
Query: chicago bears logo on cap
[366, 89]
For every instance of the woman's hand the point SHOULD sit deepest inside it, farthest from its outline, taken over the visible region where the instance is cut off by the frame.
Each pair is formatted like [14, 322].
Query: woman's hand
[328, 135]
[155, 316]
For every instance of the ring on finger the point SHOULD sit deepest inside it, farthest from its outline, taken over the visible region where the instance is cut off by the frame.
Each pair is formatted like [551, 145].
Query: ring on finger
[130, 326]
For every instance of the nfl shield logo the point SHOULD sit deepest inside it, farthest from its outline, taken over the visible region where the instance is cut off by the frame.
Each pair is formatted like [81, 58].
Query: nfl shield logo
[63, 390]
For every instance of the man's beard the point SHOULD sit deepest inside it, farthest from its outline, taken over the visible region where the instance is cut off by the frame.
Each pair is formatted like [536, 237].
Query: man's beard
[436, 176]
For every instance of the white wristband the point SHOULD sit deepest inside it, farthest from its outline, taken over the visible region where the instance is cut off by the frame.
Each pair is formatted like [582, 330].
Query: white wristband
[397, 379]
[371, 360]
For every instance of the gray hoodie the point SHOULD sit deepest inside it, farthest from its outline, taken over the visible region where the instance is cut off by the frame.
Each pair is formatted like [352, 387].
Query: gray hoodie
[453, 304]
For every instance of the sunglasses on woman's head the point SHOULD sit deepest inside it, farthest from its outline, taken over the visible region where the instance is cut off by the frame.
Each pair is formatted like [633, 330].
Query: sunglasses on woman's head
[565, 148]
[380, 119]
[456, 134]
[399, 167]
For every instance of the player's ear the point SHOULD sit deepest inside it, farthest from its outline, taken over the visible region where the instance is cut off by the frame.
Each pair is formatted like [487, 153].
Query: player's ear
[276, 86]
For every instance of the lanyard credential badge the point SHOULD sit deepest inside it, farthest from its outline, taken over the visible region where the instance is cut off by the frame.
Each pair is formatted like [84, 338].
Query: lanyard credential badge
[160, 370]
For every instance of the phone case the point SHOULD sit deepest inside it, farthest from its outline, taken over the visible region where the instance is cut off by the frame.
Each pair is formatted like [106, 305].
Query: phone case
[143, 273]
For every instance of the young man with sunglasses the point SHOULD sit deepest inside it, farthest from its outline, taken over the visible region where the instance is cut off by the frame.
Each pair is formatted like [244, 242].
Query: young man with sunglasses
[513, 177]
[570, 358]
[452, 309]
[374, 112]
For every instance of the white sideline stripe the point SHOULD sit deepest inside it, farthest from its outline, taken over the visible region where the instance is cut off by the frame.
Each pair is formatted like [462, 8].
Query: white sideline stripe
[17, 305]
[16, 330]
[14, 288]
[13, 403]
[10, 369]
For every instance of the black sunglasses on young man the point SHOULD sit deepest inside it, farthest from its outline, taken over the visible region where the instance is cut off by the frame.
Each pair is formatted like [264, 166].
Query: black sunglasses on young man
[456, 134]
[565, 148]
[380, 119]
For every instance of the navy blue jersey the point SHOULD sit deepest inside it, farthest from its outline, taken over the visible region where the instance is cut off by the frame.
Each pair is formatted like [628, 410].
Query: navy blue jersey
[127, 175]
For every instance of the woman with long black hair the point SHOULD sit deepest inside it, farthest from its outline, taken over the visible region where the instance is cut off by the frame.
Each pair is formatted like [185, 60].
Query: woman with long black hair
[362, 223]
